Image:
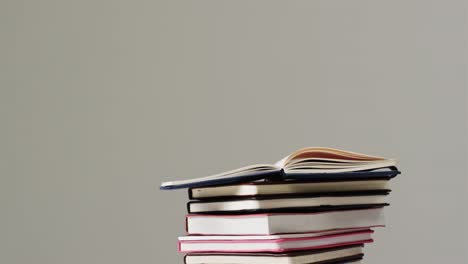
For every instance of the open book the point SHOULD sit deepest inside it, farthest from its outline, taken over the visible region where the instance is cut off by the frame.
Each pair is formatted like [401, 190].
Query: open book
[304, 164]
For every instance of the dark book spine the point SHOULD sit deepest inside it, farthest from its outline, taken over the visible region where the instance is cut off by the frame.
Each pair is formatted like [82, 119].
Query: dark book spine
[188, 208]
[190, 194]
[275, 177]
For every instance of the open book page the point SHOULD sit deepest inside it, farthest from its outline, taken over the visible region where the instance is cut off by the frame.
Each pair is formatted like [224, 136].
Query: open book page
[330, 153]
[329, 160]
[247, 170]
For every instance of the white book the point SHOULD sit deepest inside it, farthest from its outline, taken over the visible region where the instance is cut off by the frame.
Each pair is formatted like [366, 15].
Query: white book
[278, 223]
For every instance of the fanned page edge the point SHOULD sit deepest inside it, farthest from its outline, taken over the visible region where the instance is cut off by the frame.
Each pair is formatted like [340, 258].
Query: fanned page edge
[370, 166]
[347, 155]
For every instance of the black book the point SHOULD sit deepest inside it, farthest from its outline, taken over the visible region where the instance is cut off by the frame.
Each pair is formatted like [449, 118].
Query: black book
[308, 202]
[291, 187]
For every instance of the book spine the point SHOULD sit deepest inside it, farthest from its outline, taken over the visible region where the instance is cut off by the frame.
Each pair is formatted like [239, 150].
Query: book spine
[277, 176]
[188, 207]
[190, 194]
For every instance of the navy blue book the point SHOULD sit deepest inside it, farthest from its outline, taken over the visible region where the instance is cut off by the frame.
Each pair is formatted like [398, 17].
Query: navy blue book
[307, 164]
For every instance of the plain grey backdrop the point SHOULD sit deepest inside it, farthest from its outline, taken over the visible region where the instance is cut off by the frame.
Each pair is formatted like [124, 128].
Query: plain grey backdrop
[102, 100]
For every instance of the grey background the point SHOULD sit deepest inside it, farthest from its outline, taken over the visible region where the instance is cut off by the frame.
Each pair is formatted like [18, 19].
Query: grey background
[103, 100]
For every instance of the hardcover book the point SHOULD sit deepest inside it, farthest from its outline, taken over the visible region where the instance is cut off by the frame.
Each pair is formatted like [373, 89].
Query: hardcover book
[259, 189]
[291, 203]
[279, 223]
[320, 256]
[200, 244]
[309, 163]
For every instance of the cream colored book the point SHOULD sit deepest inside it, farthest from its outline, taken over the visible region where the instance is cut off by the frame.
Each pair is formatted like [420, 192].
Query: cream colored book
[286, 188]
[334, 255]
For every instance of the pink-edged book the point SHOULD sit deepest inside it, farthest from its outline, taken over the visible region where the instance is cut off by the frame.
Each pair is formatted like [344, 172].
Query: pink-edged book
[274, 243]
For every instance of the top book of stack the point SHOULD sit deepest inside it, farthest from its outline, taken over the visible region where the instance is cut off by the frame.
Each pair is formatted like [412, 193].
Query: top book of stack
[314, 164]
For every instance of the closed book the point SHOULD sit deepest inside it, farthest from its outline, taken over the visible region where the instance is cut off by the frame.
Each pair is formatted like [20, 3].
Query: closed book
[278, 243]
[259, 189]
[277, 223]
[291, 203]
[320, 256]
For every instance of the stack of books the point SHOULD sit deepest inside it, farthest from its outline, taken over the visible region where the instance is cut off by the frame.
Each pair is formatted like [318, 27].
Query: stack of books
[317, 205]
